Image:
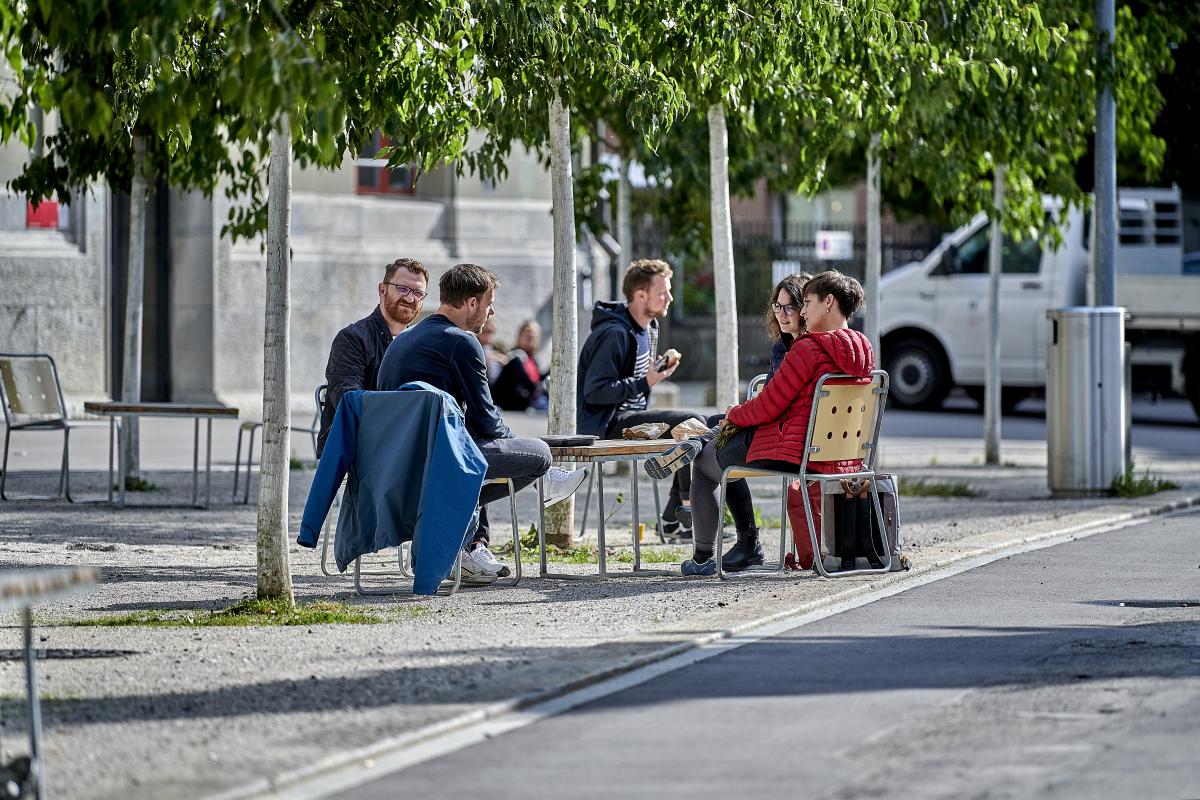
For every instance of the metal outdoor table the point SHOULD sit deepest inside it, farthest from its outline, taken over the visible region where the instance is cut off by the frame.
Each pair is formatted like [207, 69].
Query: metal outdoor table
[20, 589]
[599, 453]
[195, 411]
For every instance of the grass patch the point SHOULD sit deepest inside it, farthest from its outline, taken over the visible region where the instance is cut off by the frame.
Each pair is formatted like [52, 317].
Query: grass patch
[923, 488]
[295, 464]
[1132, 485]
[244, 612]
[135, 485]
[588, 554]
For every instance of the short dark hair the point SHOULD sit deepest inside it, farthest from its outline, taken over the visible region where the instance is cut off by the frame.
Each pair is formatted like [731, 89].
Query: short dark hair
[410, 264]
[464, 281]
[641, 273]
[793, 285]
[846, 290]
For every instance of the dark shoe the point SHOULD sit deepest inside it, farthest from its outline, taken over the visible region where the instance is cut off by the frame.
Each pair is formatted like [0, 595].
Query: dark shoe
[875, 562]
[684, 515]
[747, 552]
[676, 532]
[847, 565]
[667, 463]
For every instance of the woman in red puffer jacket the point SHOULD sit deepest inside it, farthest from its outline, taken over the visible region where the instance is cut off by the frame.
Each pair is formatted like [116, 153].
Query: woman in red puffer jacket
[769, 431]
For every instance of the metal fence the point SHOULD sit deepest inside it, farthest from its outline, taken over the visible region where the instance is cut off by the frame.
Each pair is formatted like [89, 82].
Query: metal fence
[757, 249]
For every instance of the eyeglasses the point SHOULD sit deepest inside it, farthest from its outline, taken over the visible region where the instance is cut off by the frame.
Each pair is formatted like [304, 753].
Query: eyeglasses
[789, 310]
[408, 292]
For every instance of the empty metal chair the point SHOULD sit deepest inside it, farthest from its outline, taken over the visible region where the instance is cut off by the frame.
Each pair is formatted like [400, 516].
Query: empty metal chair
[251, 427]
[33, 401]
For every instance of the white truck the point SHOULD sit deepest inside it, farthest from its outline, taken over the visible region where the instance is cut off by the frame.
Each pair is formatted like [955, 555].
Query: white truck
[933, 313]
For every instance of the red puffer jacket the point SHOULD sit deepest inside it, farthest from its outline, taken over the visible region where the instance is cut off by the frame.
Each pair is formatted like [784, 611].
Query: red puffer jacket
[780, 412]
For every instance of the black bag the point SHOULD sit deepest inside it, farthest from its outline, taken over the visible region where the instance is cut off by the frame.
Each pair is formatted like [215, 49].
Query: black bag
[849, 526]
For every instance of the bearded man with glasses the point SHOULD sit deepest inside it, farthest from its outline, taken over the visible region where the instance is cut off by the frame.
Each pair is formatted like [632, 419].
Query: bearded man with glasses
[358, 349]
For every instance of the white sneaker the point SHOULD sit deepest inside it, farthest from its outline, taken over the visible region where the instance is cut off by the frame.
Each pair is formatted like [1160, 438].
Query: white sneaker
[473, 574]
[561, 484]
[486, 560]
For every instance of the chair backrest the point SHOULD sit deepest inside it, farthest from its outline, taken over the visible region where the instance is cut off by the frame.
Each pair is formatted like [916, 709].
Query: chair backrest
[29, 389]
[847, 414]
[755, 385]
[319, 396]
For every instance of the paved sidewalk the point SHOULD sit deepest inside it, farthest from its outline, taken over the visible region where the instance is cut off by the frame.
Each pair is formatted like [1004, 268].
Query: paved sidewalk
[179, 712]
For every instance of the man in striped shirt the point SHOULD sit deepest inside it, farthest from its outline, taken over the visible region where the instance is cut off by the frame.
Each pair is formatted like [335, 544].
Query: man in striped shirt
[617, 371]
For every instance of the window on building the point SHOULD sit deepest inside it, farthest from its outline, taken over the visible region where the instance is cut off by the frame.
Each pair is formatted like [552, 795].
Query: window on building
[373, 176]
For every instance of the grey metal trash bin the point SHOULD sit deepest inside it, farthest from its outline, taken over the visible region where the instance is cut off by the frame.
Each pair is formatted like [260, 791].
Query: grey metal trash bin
[1085, 399]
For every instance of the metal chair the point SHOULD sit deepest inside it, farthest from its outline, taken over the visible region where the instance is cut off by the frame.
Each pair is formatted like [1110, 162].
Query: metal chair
[844, 424]
[755, 385]
[32, 398]
[405, 549]
[252, 426]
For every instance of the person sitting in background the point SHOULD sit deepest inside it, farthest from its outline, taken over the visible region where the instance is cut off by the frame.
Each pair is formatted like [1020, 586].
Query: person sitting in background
[491, 350]
[521, 384]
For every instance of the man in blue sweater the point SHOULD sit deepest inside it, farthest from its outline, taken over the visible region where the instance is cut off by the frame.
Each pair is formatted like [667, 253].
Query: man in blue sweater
[444, 351]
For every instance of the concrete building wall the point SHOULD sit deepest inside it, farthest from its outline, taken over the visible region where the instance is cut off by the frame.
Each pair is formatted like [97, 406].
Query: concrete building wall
[340, 245]
[54, 296]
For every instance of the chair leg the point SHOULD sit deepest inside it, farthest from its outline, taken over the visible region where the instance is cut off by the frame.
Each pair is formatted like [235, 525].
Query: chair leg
[516, 527]
[587, 502]
[662, 535]
[62, 473]
[237, 463]
[4, 465]
[249, 464]
[783, 529]
[717, 554]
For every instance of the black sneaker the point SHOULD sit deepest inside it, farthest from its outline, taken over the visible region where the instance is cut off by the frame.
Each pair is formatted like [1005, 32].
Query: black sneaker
[676, 532]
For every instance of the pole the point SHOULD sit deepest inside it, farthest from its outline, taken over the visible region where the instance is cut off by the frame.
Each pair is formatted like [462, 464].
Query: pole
[874, 266]
[1104, 264]
[991, 400]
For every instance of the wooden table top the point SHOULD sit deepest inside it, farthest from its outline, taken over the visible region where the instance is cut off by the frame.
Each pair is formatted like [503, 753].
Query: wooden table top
[608, 448]
[161, 409]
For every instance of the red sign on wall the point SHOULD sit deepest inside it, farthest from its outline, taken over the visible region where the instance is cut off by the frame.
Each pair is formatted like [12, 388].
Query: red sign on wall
[44, 216]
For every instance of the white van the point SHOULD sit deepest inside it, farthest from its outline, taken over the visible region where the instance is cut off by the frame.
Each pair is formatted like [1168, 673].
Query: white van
[933, 313]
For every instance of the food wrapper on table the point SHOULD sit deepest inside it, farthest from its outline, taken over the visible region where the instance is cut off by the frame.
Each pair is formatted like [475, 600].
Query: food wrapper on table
[688, 429]
[647, 430]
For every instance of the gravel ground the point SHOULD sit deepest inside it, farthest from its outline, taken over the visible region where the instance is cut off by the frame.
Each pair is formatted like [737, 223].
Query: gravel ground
[188, 712]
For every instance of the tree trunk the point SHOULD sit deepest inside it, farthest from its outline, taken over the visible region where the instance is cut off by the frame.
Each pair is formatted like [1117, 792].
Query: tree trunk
[722, 253]
[991, 387]
[564, 358]
[135, 275]
[624, 224]
[274, 569]
[874, 265]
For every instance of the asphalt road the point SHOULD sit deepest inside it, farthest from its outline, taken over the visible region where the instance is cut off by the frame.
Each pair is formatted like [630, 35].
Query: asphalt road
[1170, 425]
[1022, 678]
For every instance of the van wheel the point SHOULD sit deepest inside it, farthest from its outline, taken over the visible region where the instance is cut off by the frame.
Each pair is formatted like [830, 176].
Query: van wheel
[918, 375]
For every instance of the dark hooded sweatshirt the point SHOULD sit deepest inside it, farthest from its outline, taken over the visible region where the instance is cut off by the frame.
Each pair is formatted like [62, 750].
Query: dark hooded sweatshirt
[606, 365]
[780, 412]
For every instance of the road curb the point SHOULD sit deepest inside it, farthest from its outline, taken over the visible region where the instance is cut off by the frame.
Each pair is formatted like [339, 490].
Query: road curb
[267, 787]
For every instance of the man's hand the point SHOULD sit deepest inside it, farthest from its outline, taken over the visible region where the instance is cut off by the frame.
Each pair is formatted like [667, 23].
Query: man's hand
[654, 376]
